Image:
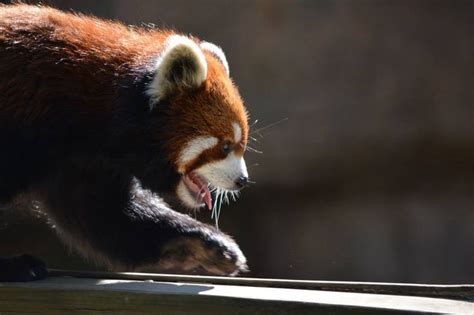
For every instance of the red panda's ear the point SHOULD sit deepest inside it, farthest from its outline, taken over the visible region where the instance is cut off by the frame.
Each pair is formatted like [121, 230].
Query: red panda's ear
[181, 65]
[217, 52]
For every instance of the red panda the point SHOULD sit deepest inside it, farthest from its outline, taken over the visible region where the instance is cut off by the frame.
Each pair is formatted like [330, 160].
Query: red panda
[105, 125]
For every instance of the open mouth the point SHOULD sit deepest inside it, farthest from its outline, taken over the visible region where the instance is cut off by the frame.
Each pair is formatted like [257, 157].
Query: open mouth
[199, 189]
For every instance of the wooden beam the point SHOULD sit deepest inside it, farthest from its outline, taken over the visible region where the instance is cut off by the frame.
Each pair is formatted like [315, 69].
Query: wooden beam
[62, 295]
[457, 291]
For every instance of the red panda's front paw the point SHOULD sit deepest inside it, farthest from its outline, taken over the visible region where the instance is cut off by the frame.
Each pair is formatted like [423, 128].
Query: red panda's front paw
[216, 254]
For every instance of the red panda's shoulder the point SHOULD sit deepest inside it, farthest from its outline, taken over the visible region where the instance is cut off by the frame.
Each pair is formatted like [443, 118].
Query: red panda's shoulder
[71, 58]
[84, 35]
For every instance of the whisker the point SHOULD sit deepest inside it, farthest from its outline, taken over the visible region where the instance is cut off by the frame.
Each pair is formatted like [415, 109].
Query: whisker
[218, 209]
[221, 196]
[249, 148]
[257, 131]
[235, 195]
[253, 139]
[226, 197]
[254, 123]
[214, 205]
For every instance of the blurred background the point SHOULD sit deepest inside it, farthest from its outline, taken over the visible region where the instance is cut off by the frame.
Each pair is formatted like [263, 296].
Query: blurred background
[371, 177]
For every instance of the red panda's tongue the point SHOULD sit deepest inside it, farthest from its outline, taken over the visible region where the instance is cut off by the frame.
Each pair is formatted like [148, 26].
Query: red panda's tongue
[207, 198]
[201, 190]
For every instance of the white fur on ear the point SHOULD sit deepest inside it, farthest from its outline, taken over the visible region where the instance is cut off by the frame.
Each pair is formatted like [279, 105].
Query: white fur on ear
[217, 52]
[181, 64]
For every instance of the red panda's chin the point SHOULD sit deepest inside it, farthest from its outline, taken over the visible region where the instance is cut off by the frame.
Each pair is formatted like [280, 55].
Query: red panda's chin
[197, 191]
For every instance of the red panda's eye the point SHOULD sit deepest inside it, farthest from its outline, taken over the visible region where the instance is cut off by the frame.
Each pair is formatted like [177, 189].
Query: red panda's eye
[226, 147]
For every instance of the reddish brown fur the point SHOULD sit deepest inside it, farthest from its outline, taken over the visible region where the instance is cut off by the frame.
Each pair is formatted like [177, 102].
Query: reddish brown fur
[57, 45]
[218, 104]
[77, 132]
[89, 57]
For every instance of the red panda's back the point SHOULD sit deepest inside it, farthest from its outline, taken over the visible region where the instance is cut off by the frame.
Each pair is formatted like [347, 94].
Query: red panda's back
[54, 63]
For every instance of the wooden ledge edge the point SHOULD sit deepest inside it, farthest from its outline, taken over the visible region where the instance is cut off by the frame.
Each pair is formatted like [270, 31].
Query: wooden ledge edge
[61, 293]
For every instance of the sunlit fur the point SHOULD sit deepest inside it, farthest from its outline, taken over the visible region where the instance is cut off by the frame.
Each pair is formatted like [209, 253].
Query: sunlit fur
[208, 111]
[194, 148]
[224, 173]
[221, 176]
[217, 52]
[183, 52]
[237, 132]
[77, 129]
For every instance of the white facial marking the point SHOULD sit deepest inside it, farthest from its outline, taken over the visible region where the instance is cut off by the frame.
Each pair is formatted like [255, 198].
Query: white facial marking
[243, 168]
[224, 173]
[194, 148]
[237, 132]
[217, 52]
[177, 47]
[183, 193]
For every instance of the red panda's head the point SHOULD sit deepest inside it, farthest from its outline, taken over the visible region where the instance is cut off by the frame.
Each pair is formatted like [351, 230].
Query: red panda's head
[203, 125]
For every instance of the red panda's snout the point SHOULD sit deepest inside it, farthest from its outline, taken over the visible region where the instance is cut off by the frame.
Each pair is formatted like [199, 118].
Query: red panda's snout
[226, 175]
[212, 163]
[209, 121]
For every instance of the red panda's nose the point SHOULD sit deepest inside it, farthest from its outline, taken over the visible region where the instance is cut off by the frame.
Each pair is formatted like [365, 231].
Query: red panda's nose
[242, 181]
